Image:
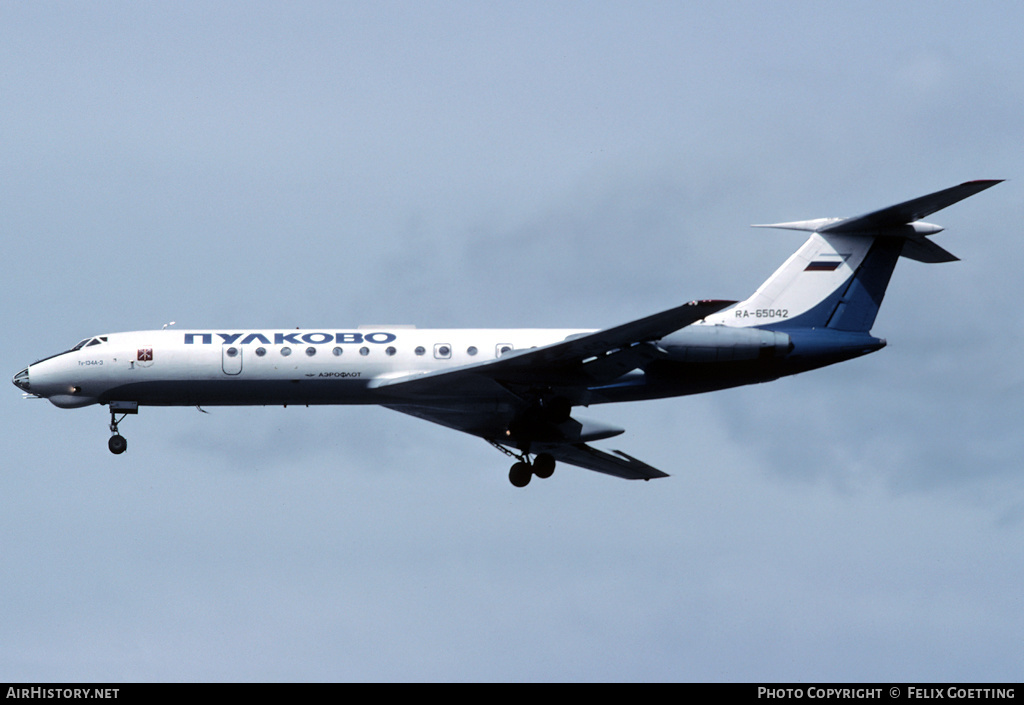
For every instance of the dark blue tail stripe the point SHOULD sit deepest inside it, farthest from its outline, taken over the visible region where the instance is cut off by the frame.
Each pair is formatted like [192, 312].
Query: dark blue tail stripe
[854, 305]
[859, 304]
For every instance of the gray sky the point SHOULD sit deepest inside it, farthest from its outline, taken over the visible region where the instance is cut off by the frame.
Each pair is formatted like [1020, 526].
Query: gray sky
[509, 164]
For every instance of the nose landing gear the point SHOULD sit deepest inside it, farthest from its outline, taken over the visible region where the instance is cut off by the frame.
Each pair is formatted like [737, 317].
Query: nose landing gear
[117, 443]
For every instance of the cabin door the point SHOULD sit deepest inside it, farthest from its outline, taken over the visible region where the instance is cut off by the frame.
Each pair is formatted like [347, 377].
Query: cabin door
[231, 359]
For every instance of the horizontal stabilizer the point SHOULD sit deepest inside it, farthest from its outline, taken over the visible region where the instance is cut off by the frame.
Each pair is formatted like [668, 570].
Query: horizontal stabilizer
[909, 211]
[892, 217]
[901, 221]
[810, 226]
[924, 250]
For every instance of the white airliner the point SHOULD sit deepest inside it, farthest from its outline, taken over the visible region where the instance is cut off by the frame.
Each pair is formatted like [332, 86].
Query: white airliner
[518, 388]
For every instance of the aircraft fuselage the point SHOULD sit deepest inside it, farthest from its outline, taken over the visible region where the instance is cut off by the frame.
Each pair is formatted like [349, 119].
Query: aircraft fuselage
[323, 366]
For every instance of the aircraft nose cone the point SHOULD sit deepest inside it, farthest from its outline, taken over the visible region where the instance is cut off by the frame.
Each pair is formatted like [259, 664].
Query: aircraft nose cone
[21, 380]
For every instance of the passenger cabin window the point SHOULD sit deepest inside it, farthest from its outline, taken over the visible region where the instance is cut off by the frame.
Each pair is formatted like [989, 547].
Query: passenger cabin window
[442, 351]
[502, 348]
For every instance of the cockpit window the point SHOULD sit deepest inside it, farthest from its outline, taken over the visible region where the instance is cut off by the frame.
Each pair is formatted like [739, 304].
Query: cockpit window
[89, 342]
[83, 344]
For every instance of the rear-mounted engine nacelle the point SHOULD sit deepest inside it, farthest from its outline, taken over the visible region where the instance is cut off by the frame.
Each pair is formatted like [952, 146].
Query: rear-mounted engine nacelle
[725, 344]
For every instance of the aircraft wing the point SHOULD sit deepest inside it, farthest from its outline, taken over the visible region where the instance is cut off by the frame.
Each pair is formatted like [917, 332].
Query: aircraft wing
[618, 464]
[491, 424]
[483, 399]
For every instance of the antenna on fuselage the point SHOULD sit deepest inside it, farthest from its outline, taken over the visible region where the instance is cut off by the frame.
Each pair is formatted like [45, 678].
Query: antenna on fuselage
[168, 324]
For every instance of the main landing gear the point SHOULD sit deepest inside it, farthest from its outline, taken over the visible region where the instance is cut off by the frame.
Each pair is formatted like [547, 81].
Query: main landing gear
[539, 423]
[543, 466]
[117, 443]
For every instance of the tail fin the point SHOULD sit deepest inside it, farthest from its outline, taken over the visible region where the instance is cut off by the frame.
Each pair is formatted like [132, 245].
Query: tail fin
[838, 278]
